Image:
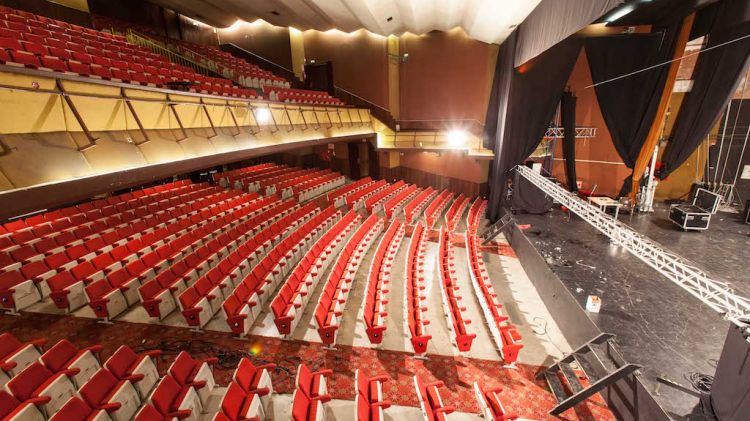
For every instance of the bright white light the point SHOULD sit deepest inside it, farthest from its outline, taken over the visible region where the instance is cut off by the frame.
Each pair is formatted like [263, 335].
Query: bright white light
[624, 10]
[263, 115]
[236, 25]
[457, 138]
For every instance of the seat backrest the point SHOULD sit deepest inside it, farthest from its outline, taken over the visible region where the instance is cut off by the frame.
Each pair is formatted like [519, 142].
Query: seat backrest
[25, 383]
[300, 406]
[57, 357]
[119, 363]
[304, 379]
[61, 281]
[244, 374]
[74, 409]
[233, 401]
[8, 403]
[10, 279]
[182, 368]
[98, 289]
[98, 387]
[166, 391]
[8, 345]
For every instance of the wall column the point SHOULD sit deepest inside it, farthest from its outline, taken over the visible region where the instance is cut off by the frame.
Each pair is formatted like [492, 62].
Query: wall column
[297, 42]
[393, 75]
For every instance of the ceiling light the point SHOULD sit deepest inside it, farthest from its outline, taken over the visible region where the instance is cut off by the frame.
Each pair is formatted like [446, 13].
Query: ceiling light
[619, 13]
[263, 115]
[457, 138]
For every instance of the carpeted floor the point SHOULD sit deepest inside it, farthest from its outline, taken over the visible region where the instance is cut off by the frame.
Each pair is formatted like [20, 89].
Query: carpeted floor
[521, 395]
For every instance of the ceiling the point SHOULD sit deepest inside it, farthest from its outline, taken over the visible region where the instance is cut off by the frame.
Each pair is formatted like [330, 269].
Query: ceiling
[489, 21]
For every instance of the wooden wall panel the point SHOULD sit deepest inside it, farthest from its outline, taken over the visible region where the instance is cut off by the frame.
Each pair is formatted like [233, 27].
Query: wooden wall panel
[261, 38]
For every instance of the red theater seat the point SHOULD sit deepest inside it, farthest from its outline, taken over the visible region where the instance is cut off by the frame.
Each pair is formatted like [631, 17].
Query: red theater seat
[47, 390]
[118, 397]
[66, 357]
[198, 374]
[16, 355]
[139, 369]
[12, 409]
[76, 409]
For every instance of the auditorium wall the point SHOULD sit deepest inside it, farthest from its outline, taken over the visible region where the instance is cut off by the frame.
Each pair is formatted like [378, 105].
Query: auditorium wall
[454, 170]
[259, 37]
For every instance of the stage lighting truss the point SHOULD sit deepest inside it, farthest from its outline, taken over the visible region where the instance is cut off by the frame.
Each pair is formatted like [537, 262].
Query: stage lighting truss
[715, 294]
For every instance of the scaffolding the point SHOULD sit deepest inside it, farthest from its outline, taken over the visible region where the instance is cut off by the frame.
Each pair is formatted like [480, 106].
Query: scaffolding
[716, 294]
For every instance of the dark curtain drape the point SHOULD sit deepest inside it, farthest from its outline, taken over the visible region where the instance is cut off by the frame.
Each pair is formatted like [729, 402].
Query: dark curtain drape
[568, 113]
[629, 104]
[526, 101]
[715, 79]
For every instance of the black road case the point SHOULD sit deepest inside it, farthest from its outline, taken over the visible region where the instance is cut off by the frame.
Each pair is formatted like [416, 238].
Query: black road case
[695, 216]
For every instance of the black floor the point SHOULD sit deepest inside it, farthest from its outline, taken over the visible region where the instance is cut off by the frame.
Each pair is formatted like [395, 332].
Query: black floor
[657, 323]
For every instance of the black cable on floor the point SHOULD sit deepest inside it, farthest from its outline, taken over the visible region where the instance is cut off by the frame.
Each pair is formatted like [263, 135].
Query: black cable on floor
[700, 382]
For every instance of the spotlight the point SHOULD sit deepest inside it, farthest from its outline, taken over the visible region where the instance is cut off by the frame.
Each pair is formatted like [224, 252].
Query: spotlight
[263, 115]
[457, 138]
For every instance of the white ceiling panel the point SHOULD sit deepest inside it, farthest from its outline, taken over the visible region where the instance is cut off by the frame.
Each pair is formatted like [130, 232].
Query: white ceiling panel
[490, 21]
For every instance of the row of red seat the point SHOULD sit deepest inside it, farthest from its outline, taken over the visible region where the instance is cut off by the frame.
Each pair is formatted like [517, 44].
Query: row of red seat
[476, 211]
[455, 211]
[110, 243]
[451, 297]
[413, 209]
[356, 200]
[505, 335]
[249, 181]
[378, 280]
[415, 321]
[48, 225]
[336, 289]
[243, 307]
[305, 96]
[267, 183]
[294, 294]
[374, 202]
[223, 176]
[317, 186]
[338, 196]
[47, 44]
[368, 394]
[201, 301]
[111, 290]
[393, 205]
[436, 208]
[310, 393]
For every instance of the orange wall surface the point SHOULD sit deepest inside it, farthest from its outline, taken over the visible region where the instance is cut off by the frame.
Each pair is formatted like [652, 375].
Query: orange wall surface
[360, 61]
[607, 172]
[447, 76]
[268, 41]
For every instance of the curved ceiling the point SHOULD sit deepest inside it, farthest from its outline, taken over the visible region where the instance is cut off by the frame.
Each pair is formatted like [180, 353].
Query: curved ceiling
[489, 21]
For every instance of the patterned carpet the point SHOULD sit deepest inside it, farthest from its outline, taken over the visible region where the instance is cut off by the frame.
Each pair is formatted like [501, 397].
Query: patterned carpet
[521, 395]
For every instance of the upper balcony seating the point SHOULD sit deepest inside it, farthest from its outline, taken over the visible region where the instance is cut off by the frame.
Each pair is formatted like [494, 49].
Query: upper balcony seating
[413, 209]
[506, 337]
[378, 281]
[139, 369]
[490, 407]
[81, 363]
[368, 395]
[289, 303]
[451, 296]
[16, 355]
[271, 260]
[430, 401]
[436, 208]
[12, 409]
[394, 205]
[47, 390]
[455, 212]
[332, 301]
[282, 94]
[414, 300]
[356, 200]
[476, 211]
[338, 196]
[373, 203]
[37, 42]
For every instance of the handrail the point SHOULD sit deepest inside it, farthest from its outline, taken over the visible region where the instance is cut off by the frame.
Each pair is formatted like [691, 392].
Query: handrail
[471, 125]
[381, 113]
[263, 63]
[144, 41]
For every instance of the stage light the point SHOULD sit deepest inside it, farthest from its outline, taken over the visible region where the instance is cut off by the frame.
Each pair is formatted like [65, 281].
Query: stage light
[263, 115]
[457, 138]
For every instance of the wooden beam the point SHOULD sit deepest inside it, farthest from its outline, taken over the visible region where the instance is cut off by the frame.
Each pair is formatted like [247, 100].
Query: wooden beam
[647, 151]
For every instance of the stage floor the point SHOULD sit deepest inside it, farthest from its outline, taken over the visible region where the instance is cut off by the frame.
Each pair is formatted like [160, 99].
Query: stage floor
[657, 323]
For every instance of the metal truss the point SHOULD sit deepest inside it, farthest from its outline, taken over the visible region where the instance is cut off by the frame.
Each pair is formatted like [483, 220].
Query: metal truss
[715, 294]
[559, 132]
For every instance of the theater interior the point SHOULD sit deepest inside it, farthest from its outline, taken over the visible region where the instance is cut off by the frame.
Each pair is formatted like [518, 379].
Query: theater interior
[374, 210]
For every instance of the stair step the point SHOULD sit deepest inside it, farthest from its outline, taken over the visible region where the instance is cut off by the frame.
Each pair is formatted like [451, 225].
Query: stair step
[591, 364]
[571, 377]
[594, 388]
[555, 386]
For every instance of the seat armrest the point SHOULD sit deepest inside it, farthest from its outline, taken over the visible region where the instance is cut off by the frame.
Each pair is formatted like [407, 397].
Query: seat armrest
[325, 372]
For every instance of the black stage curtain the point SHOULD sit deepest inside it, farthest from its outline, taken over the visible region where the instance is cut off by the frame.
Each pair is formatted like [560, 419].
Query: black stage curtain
[525, 107]
[568, 112]
[715, 79]
[629, 104]
[527, 198]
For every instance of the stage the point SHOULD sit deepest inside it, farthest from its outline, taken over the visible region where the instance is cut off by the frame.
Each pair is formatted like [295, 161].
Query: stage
[657, 323]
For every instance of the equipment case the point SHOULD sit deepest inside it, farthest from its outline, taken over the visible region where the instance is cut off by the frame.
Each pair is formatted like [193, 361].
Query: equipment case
[695, 216]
